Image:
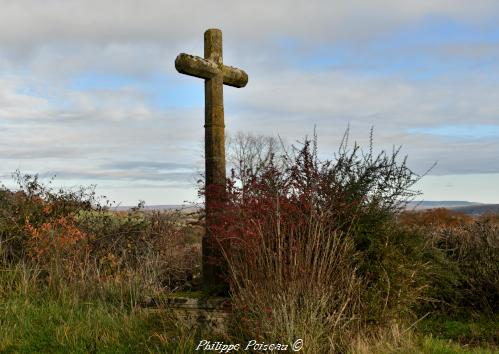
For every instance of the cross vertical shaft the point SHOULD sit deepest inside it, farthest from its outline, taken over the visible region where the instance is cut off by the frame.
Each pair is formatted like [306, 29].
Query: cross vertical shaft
[214, 112]
[216, 74]
[214, 140]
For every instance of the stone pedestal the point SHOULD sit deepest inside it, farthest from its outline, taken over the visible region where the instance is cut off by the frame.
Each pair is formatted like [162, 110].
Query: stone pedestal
[210, 313]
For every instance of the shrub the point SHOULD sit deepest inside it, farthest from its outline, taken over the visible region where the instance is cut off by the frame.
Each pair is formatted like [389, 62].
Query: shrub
[465, 259]
[33, 207]
[314, 247]
[77, 243]
[58, 245]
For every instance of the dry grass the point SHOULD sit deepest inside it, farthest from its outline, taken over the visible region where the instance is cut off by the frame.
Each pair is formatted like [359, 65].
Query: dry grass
[298, 283]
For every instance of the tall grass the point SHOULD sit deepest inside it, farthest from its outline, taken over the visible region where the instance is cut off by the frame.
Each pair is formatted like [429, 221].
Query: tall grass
[36, 319]
[283, 295]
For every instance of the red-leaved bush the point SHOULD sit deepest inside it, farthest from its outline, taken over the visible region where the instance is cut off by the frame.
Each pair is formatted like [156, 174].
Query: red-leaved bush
[312, 246]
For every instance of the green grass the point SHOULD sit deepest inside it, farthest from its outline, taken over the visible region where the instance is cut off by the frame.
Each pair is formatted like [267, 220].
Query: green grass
[464, 331]
[47, 325]
[431, 345]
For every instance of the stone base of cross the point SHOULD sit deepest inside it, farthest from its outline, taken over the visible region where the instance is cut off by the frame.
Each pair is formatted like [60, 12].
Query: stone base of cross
[216, 74]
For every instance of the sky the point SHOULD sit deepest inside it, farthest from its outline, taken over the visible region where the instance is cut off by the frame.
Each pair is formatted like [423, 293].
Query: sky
[89, 92]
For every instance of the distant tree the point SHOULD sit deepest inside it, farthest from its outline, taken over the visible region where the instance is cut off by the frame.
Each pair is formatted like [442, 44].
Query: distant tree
[248, 154]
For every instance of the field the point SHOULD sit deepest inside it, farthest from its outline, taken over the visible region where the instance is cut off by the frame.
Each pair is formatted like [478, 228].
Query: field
[341, 268]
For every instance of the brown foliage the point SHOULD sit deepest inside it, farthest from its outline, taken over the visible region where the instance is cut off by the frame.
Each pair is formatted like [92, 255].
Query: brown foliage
[439, 217]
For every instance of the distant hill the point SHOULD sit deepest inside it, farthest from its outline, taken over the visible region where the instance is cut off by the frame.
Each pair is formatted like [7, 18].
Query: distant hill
[449, 204]
[468, 208]
[185, 208]
[478, 209]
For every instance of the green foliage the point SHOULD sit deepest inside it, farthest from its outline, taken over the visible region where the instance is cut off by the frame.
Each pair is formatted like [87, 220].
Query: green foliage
[464, 272]
[431, 345]
[480, 331]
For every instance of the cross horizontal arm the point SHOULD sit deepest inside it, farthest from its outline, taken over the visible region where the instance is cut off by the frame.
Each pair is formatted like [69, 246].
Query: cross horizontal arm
[196, 66]
[234, 76]
[206, 69]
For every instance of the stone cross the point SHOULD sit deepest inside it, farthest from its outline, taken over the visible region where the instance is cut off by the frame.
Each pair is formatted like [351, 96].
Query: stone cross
[215, 75]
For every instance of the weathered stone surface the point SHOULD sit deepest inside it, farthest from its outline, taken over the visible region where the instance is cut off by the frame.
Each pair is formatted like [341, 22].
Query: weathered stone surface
[234, 77]
[206, 69]
[216, 74]
[196, 66]
[213, 45]
[210, 313]
[202, 303]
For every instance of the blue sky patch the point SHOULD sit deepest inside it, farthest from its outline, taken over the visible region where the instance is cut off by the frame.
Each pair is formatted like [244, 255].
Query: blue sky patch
[430, 48]
[460, 131]
[162, 90]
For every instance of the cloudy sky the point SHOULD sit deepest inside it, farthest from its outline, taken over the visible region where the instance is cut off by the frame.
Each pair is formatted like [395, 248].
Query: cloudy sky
[89, 91]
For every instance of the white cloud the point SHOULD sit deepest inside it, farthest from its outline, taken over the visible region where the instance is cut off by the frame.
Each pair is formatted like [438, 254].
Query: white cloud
[32, 21]
[17, 105]
[46, 125]
[390, 101]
